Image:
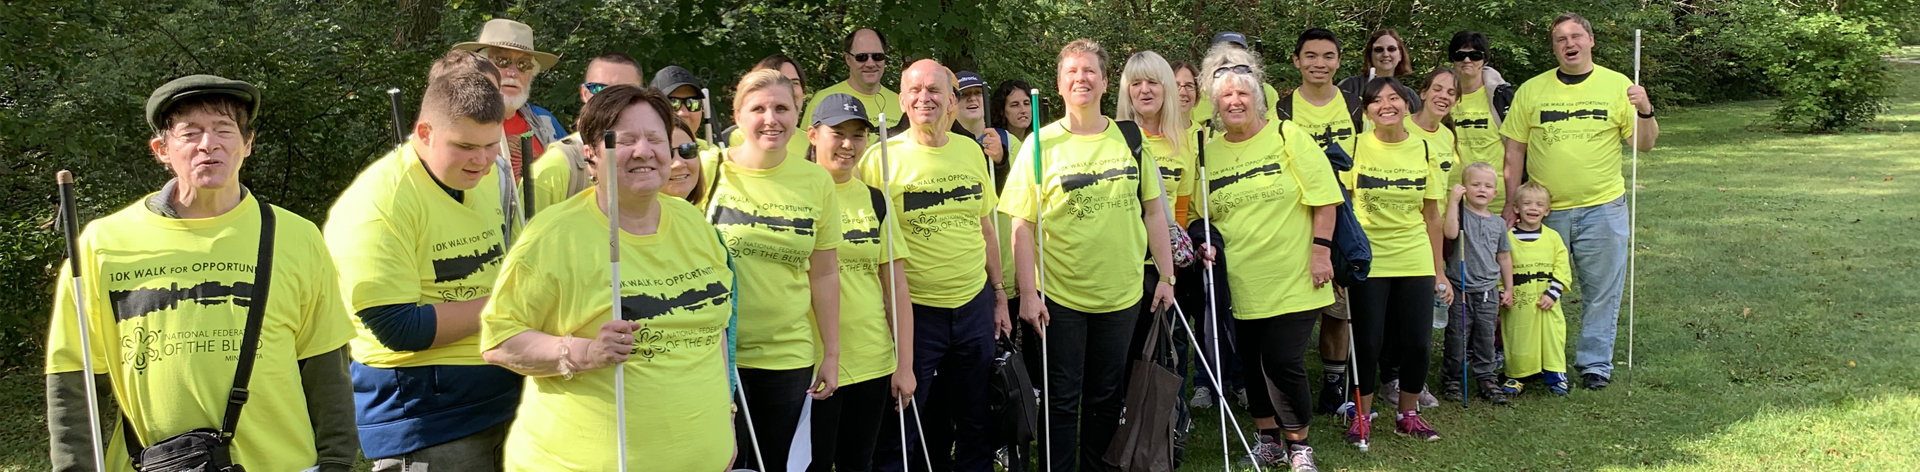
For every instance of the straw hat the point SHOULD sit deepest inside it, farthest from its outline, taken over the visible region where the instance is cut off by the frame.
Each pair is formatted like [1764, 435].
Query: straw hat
[509, 34]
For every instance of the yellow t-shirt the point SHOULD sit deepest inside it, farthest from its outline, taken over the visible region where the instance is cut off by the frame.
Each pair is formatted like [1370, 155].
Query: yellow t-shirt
[1391, 183]
[866, 337]
[397, 237]
[1328, 124]
[773, 220]
[1261, 193]
[1573, 135]
[1203, 106]
[553, 175]
[1176, 167]
[675, 283]
[1479, 142]
[1536, 264]
[1003, 226]
[882, 101]
[940, 195]
[1440, 141]
[167, 303]
[1089, 202]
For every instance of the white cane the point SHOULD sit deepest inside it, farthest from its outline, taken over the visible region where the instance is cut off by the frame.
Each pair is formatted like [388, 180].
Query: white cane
[1213, 322]
[893, 297]
[613, 258]
[1633, 217]
[1040, 281]
[1225, 411]
[69, 224]
[706, 108]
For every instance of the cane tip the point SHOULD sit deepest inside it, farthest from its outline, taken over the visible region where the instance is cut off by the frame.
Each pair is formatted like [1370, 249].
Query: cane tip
[63, 177]
[393, 91]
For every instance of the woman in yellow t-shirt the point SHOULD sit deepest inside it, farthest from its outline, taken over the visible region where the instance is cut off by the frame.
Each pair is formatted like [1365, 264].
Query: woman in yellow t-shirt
[1397, 187]
[684, 177]
[1100, 212]
[1439, 92]
[1272, 193]
[552, 319]
[779, 215]
[872, 286]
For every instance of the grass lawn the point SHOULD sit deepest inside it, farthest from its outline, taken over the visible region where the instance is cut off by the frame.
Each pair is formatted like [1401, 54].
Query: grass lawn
[1780, 331]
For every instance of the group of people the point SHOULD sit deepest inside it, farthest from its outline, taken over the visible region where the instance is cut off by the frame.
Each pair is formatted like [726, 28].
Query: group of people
[824, 284]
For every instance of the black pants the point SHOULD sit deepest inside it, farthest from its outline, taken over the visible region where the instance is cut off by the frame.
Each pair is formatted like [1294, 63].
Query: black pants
[1276, 351]
[1475, 320]
[1087, 360]
[775, 398]
[952, 358]
[1392, 319]
[1192, 292]
[847, 425]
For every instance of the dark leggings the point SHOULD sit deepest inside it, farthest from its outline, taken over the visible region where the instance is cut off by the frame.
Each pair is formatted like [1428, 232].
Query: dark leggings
[1275, 349]
[847, 424]
[1392, 314]
[775, 398]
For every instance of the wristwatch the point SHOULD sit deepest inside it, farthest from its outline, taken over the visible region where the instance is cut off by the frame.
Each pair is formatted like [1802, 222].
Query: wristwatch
[1168, 279]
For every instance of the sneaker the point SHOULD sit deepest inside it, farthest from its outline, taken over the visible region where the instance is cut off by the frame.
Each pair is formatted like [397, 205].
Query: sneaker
[1492, 392]
[1301, 459]
[1267, 451]
[1512, 387]
[1000, 458]
[1332, 395]
[1357, 434]
[1411, 425]
[1557, 383]
[1594, 381]
[1389, 394]
[1240, 397]
[1426, 399]
[1345, 413]
[1453, 392]
[1202, 398]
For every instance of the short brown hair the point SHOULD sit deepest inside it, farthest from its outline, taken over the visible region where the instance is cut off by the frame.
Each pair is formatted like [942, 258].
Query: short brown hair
[761, 79]
[604, 109]
[1406, 58]
[218, 104]
[1573, 17]
[1088, 47]
[458, 60]
[462, 94]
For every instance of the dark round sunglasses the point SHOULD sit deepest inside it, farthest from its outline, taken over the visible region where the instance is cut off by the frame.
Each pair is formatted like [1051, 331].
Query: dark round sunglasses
[1459, 56]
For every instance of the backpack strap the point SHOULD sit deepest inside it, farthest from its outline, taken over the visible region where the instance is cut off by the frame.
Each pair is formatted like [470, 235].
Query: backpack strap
[1354, 111]
[879, 203]
[1284, 109]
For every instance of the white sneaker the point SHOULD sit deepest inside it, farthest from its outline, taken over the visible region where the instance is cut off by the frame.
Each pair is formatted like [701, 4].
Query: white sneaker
[1389, 393]
[1202, 398]
[1427, 400]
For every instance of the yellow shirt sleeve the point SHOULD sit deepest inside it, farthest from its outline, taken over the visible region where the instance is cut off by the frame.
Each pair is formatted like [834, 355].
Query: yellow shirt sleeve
[1310, 169]
[552, 176]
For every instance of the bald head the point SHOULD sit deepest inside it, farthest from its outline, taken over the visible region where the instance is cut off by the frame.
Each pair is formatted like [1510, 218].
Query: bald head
[926, 94]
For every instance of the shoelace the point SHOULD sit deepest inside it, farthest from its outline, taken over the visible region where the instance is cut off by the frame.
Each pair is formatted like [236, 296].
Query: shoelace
[1415, 424]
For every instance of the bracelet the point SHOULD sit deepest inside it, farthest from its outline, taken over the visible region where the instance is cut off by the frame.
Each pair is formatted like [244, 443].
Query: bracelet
[1328, 243]
[566, 362]
[1643, 116]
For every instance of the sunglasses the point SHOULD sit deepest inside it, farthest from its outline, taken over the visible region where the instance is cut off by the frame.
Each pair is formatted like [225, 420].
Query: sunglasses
[525, 64]
[691, 104]
[1239, 69]
[687, 151]
[594, 88]
[1385, 49]
[869, 56]
[1462, 56]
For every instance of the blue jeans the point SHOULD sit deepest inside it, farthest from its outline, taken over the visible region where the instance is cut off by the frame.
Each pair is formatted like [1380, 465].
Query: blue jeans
[1597, 238]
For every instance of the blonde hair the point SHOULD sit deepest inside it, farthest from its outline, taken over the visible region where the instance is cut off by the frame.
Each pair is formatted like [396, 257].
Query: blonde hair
[761, 79]
[1148, 65]
[1481, 167]
[1087, 47]
[1229, 55]
[1533, 189]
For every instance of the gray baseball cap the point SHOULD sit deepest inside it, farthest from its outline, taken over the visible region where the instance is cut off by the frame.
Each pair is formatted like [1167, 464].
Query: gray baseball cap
[1230, 37]
[838, 108]
[673, 77]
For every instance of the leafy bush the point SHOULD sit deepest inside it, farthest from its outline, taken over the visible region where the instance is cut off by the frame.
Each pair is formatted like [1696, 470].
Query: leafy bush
[1828, 69]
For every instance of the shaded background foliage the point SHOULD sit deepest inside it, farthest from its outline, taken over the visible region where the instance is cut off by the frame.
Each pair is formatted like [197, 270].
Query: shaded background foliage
[74, 74]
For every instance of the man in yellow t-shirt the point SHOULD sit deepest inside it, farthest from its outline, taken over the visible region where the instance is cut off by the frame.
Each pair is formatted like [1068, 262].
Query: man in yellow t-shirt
[562, 170]
[1565, 130]
[943, 198]
[866, 55]
[418, 240]
[168, 284]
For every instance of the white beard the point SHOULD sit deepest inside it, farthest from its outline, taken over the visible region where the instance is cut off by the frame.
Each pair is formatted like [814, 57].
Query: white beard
[514, 102]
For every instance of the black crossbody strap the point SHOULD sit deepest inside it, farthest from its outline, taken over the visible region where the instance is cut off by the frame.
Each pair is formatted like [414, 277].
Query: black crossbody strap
[256, 315]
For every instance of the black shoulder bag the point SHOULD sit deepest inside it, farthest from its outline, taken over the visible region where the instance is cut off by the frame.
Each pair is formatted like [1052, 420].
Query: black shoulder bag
[209, 449]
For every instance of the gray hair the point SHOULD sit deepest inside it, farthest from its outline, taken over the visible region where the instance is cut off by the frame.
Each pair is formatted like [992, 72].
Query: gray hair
[1226, 55]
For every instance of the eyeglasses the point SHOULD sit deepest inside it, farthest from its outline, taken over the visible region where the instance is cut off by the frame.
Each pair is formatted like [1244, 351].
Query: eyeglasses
[687, 151]
[869, 56]
[691, 104]
[1385, 49]
[1239, 69]
[594, 88]
[1462, 56]
[525, 64]
[1188, 86]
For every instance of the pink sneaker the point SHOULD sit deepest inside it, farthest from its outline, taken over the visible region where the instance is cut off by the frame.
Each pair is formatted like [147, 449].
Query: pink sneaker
[1411, 425]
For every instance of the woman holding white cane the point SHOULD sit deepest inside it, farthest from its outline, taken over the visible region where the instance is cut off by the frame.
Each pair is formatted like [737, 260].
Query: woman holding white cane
[552, 318]
[1104, 212]
[1272, 195]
